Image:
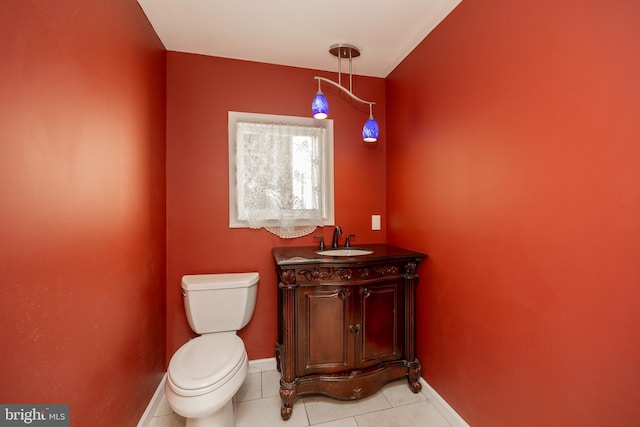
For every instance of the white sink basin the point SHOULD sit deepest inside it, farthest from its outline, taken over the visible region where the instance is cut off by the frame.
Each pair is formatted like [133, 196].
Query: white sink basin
[344, 252]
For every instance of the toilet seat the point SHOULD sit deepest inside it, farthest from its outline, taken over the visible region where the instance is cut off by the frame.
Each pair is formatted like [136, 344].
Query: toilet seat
[206, 363]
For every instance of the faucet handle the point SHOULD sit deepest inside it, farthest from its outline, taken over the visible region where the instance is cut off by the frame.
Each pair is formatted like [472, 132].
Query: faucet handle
[347, 243]
[321, 241]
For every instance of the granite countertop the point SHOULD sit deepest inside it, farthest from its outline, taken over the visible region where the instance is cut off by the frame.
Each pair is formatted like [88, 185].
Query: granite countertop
[308, 255]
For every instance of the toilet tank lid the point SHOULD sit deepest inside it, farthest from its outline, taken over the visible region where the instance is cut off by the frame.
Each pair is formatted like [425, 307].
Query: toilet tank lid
[199, 282]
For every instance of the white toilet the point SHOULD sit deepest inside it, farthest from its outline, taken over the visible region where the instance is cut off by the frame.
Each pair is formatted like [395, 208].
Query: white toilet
[205, 373]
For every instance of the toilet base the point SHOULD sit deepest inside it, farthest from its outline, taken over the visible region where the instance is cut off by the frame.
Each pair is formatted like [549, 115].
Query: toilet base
[223, 417]
[213, 408]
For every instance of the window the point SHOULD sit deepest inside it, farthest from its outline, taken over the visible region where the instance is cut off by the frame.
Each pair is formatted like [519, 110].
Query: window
[280, 173]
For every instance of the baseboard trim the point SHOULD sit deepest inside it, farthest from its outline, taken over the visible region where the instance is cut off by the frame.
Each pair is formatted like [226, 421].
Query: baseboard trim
[259, 365]
[442, 406]
[154, 404]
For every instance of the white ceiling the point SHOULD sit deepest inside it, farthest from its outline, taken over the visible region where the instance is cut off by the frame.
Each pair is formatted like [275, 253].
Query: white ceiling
[298, 32]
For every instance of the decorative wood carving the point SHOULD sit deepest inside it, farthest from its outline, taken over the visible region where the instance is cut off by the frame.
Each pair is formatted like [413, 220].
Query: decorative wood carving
[288, 397]
[379, 271]
[415, 371]
[323, 274]
[326, 273]
[410, 270]
[287, 278]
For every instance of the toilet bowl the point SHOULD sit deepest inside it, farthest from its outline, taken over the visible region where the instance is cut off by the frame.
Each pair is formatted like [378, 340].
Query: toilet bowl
[203, 377]
[206, 372]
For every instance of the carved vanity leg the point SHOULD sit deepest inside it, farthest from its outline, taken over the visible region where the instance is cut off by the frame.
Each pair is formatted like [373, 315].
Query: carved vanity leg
[288, 397]
[286, 352]
[415, 372]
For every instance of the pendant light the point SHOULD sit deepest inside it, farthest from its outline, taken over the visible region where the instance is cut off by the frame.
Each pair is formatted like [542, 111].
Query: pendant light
[320, 106]
[370, 130]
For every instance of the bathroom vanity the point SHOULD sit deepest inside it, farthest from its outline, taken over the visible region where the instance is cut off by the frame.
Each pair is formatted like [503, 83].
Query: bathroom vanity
[345, 323]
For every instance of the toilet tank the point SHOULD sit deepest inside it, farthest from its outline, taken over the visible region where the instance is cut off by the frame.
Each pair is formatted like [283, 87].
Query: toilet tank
[219, 302]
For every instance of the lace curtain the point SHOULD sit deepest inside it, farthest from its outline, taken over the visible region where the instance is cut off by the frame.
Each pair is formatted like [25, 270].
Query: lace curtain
[280, 176]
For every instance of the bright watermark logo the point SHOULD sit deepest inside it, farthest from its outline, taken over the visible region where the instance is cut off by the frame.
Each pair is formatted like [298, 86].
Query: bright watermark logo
[34, 415]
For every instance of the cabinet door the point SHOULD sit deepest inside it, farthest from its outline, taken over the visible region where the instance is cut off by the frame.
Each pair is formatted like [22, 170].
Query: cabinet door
[381, 310]
[325, 344]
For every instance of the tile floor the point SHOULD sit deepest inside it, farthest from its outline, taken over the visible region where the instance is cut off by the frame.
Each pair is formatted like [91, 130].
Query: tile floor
[258, 405]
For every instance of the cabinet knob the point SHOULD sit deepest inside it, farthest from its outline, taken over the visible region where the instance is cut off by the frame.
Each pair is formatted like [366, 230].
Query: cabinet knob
[343, 293]
[355, 329]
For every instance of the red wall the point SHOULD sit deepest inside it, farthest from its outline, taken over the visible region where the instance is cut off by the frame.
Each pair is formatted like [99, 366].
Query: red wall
[200, 92]
[513, 161]
[82, 222]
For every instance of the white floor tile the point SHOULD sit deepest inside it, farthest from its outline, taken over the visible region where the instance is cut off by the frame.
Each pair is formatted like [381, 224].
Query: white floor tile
[321, 409]
[270, 384]
[422, 414]
[251, 389]
[345, 422]
[171, 420]
[398, 393]
[266, 413]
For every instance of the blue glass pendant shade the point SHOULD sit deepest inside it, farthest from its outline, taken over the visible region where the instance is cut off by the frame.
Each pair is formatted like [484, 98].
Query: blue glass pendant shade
[320, 106]
[370, 130]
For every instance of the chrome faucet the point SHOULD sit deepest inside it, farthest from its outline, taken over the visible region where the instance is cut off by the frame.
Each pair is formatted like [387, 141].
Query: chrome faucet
[336, 232]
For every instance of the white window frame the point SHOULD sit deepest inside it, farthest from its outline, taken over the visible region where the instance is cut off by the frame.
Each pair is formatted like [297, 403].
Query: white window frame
[328, 217]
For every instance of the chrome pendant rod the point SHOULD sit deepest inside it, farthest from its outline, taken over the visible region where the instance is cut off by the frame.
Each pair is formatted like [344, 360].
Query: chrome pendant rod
[344, 89]
[350, 73]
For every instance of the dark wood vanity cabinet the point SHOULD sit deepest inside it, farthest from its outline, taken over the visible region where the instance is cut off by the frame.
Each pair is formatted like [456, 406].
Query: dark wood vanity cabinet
[348, 327]
[346, 324]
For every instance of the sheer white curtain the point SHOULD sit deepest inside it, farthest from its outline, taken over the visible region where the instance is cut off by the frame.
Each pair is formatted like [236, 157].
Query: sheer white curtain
[280, 177]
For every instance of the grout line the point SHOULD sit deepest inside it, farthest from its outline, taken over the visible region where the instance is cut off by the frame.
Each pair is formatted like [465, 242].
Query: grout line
[306, 413]
[385, 396]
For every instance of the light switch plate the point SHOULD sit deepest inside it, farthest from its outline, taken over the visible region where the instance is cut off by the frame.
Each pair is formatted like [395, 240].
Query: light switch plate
[375, 222]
